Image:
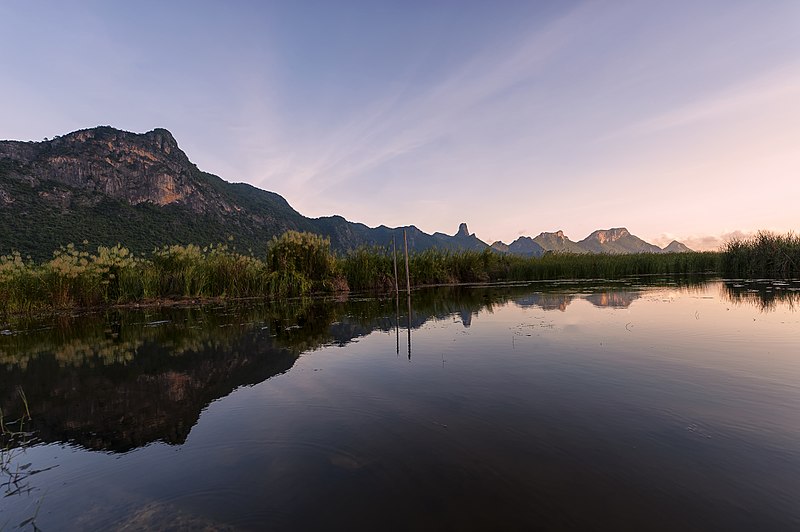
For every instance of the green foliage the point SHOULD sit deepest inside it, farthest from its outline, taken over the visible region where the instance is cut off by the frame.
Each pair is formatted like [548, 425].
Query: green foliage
[608, 266]
[369, 269]
[296, 264]
[765, 255]
[300, 263]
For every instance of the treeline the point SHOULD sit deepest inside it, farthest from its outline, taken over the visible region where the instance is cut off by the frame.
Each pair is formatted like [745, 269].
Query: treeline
[295, 264]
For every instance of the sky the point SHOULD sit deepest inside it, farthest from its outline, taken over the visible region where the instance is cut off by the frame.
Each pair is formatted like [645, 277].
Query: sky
[678, 120]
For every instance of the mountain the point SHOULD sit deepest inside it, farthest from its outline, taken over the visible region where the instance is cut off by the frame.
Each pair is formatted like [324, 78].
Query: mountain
[558, 242]
[500, 247]
[676, 247]
[463, 239]
[616, 240]
[525, 245]
[106, 186]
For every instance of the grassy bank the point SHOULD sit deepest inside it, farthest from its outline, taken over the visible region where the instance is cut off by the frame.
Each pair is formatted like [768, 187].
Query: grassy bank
[294, 264]
[373, 269]
[766, 255]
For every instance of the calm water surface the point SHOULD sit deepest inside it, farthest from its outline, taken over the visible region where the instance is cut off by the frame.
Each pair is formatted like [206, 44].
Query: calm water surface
[566, 406]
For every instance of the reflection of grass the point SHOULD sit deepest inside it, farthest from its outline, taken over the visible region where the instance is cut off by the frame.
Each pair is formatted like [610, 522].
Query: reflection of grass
[765, 295]
[765, 255]
[14, 475]
[15, 439]
[115, 337]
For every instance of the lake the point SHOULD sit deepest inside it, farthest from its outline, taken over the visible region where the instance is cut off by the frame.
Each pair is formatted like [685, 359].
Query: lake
[658, 404]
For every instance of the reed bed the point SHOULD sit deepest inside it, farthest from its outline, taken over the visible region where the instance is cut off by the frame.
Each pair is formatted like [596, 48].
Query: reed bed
[766, 255]
[295, 264]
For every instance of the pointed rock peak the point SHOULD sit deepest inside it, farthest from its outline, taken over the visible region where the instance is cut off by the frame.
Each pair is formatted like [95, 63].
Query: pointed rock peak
[462, 230]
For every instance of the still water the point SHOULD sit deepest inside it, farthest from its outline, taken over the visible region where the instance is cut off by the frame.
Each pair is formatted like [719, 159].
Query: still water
[629, 405]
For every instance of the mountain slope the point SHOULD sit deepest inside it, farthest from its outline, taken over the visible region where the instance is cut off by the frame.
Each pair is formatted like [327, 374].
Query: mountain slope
[616, 240]
[527, 246]
[558, 242]
[463, 239]
[106, 186]
[676, 247]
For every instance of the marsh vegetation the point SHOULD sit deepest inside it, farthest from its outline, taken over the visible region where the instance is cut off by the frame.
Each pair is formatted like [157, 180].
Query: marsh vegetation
[299, 264]
[766, 254]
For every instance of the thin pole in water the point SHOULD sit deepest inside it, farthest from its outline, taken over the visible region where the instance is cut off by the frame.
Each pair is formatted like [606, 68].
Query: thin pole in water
[409, 325]
[408, 288]
[394, 254]
[408, 275]
[397, 320]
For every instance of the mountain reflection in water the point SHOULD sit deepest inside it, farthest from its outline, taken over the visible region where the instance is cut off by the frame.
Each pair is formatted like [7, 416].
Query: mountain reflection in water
[544, 392]
[122, 379]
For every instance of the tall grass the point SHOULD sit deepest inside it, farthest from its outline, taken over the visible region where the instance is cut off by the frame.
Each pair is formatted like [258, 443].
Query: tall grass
[766, 254]
[373, 268]
[605, 266]
[294, 264]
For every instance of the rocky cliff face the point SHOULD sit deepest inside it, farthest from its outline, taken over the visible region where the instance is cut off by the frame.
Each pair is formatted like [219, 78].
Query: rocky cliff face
[557, 241]
[604, 236]
[616, 240]
[107, 186]
[134, 168]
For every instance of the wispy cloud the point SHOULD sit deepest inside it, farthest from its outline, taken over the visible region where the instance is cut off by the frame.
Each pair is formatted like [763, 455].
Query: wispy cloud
[729, 101]
[400, 122]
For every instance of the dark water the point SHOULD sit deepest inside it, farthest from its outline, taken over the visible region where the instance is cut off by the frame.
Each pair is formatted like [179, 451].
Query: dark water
[571, 406]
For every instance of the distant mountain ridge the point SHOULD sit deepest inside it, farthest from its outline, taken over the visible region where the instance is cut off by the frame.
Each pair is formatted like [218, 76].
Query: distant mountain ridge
[104, 186]
[615, 241]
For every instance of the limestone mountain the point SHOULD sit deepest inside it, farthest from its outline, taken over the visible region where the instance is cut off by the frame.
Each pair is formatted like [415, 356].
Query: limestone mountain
[106, 186]
[616, 240]
[499, 246]
[527, 246]
[558, 242]
[463, 239]
[676, 247]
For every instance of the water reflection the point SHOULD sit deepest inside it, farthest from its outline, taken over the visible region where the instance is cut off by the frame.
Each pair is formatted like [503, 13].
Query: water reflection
[637, 398]
[765, 294]
[122, 379]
